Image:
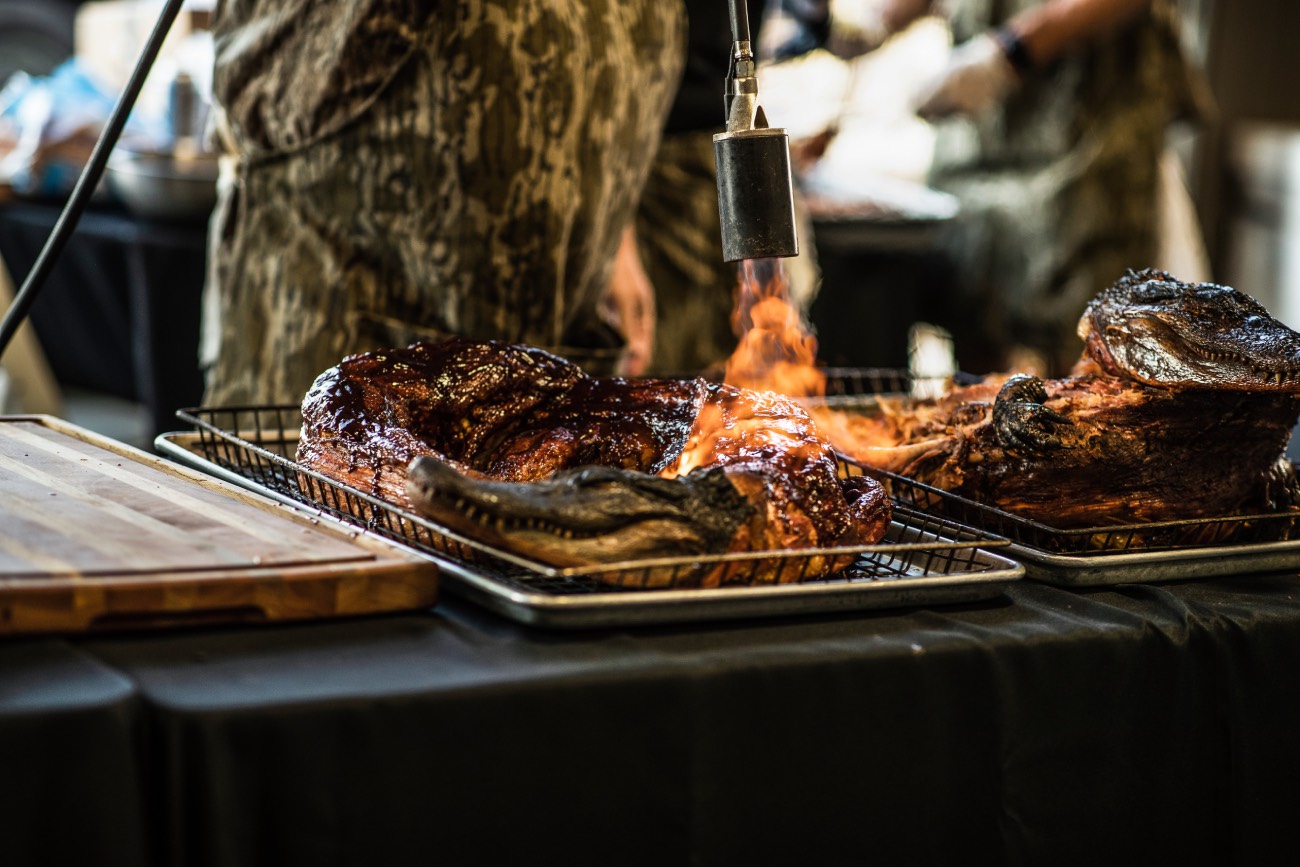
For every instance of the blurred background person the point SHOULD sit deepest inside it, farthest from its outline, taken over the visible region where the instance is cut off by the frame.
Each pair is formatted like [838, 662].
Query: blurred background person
[1051, 120]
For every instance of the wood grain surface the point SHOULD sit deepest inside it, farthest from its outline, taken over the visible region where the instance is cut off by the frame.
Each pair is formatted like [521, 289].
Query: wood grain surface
[96, 534]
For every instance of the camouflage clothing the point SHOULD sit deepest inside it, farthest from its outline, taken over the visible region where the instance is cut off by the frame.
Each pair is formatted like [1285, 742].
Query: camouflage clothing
[412, 169]
[680, 236]
[1059, 187]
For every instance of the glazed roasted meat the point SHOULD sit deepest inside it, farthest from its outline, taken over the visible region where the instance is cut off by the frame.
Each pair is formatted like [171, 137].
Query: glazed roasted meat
[505, 412]
[520, 449]
[1181, 407]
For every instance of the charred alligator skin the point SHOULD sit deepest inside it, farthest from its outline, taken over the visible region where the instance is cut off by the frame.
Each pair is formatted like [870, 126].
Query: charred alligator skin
[1181, 407]
[522, 450]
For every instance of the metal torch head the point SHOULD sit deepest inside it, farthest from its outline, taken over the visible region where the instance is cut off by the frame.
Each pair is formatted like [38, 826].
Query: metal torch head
[755, 194]
[755, 186]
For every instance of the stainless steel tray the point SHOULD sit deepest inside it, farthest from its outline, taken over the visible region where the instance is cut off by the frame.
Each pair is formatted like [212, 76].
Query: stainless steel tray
[985, 576]
[1132, 553]
[923, 560]
[1145, 567]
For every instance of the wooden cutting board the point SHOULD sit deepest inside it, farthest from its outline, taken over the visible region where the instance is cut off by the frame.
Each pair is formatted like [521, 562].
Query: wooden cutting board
[95, 534]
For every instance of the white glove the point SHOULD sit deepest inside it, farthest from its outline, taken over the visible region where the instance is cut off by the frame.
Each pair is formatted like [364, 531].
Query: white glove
[978, 76]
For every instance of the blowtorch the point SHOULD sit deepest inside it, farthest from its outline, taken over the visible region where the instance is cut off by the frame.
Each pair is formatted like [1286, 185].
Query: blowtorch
[755, 187]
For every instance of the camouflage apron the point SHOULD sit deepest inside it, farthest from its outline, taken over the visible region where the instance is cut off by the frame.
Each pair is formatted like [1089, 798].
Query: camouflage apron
[1059, 187]
[680, 238]
[413, 169]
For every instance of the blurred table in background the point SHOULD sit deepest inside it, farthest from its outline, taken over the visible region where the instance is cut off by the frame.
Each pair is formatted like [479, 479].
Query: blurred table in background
[879, 277]
[119, 313]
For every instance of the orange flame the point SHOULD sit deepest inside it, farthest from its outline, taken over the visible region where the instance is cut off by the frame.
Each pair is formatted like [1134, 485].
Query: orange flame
[776, 359]
[776, 351]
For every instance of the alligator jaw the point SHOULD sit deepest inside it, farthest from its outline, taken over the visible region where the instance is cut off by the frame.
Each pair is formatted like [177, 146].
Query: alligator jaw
[1156, 330]
[584, 516]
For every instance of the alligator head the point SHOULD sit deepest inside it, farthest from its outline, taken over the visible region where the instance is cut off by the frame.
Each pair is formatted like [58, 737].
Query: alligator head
[587, 515]
[1151, 328]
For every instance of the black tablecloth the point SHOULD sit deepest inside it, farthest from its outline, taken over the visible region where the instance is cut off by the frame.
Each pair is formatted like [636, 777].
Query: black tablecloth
[1126, 725]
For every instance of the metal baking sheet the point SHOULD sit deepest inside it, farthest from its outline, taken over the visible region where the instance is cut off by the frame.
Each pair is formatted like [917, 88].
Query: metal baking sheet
[977, 575]
[1124, 564]
[519, 602]
[1145, 567]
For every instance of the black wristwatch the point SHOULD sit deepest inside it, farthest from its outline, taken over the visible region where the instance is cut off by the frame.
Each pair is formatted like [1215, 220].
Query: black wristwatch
[1014, 48]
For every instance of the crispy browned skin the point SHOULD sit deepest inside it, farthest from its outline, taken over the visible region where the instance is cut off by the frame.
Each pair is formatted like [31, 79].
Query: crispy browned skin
[514, 415]
[1130, 454]
[506, 412]
[774, 455]
[1180, 408]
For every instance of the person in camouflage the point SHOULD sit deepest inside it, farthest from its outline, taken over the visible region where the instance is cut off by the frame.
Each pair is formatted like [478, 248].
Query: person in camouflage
[402, 170]
[1051, 123]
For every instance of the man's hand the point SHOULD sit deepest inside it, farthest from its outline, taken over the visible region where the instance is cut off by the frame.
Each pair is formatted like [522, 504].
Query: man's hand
[978, 77]
[629, 305]
[858, 27]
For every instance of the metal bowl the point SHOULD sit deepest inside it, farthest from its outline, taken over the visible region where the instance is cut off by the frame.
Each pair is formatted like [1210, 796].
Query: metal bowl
[163, 186]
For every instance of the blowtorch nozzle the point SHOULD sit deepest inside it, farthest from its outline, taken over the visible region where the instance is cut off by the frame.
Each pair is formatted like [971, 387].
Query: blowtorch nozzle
[755, 194]
[755, 184]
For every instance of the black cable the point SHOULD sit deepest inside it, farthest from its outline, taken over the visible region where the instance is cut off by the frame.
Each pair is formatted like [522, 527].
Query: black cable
[739, 20]
[89, 179]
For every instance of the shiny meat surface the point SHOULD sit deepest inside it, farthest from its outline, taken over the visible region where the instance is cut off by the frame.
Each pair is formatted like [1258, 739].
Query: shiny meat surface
[1181, 407]
[505, 415]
